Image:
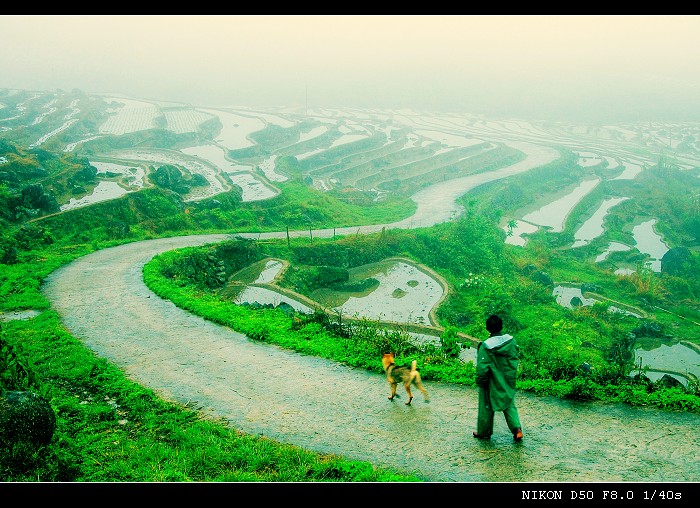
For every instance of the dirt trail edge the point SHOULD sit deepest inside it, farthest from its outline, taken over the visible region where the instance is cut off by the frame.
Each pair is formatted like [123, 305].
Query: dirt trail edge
[327, 407]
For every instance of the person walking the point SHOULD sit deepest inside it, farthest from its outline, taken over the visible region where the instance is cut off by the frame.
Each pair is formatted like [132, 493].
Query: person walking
[496, 370]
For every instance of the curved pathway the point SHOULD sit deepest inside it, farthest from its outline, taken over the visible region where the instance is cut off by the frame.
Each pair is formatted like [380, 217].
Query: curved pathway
[330, 408]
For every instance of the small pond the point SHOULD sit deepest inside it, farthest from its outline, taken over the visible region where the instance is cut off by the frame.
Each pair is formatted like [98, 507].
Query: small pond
[648, 241]
[104, 191]
[554, 214]
[394, 291]
[403, 294]
[676, 360]
[593, 227]
[564, 296]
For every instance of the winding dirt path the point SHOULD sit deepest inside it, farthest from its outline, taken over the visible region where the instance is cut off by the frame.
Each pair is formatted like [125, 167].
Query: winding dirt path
[327, 407]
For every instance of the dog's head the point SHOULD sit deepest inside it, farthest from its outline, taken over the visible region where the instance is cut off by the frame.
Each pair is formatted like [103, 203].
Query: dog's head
[387, 359]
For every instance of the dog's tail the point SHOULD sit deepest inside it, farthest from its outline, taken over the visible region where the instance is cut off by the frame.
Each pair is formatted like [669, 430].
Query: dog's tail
[414, 366]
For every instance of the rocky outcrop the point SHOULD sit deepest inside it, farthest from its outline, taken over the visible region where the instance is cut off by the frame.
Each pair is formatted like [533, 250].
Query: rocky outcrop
[171, 177]
[668, 381]
[679, 262]
[537, 275]
[35, 197]
[26, 416]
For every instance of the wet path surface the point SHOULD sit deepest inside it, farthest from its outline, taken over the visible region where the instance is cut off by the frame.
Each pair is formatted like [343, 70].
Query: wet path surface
[327, 407]
[330, 408]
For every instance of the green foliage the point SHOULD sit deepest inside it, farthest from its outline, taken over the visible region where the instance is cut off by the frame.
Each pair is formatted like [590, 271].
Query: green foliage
[620, 355]
[32, 237]
[380, 340]
[211, 266]
[148, 209]
[680, 264]
[24, 166]
[324, 252]
[306, 279]
[8, 250]
[15, 372]
[439, 368]
[289, 166]
[237, 253]
[581, 388]
[273, 136]
[450, 344]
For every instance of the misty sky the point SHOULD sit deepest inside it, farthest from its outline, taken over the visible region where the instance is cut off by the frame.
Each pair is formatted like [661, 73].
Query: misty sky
[591, 68]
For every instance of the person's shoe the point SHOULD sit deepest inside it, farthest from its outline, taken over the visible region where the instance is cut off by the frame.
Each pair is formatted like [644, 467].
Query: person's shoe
[518, 435]
[479, 436]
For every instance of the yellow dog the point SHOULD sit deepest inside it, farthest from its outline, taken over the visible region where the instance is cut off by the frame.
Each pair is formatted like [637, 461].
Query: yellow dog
[405, 375]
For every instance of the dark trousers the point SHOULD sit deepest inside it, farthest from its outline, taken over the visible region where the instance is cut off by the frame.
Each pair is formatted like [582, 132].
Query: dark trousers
[484, 419]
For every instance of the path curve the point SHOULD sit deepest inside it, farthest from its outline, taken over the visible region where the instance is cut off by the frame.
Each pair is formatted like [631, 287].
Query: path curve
[327, 407]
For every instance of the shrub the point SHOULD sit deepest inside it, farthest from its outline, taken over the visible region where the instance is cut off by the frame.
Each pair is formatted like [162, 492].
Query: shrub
[450, 344]
[582, 388]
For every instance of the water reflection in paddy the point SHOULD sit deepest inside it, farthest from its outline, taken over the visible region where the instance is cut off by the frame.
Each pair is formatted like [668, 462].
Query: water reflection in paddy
[271, 270]
[104, 191]
[648, 241]
[521, 228]
[400, 292]
[593, 227]
[630, 172]
[612, 247]
[404, 294]
[265, 296]
[211, 153]
[553, 215]
[564, 296]
[665, 359]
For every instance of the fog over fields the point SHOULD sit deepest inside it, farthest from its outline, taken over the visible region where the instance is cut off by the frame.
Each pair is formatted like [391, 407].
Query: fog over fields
[579, 68]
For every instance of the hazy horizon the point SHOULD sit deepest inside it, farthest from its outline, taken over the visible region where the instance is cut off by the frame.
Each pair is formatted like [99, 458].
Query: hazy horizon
[584, 68]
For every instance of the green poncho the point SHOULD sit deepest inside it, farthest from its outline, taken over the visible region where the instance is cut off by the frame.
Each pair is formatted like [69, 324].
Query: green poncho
[496, 368]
